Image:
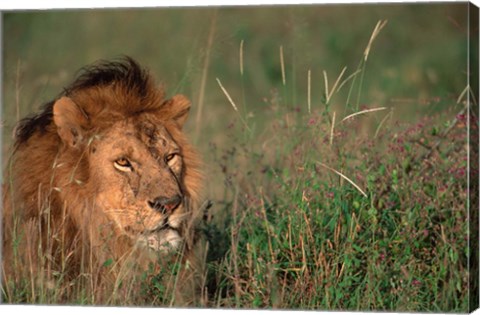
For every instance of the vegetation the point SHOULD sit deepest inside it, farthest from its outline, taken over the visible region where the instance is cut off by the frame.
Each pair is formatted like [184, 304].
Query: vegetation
[338, 182]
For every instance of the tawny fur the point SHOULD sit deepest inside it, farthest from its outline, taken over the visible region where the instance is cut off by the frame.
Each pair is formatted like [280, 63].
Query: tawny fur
[53, 193]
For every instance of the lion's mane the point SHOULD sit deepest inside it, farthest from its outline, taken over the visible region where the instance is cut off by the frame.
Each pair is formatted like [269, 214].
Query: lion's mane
[41, 198]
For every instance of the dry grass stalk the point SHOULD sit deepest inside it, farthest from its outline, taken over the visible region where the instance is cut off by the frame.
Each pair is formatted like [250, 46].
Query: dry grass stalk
[329, 94]
[309, 92]
[348, 79]
[364, 112]
[241, 58]
[227, 95]
[282, 65]
[325, 80]
[467, 89]
[332, 128]
[380, 25]
[344, 177]
[382, 122]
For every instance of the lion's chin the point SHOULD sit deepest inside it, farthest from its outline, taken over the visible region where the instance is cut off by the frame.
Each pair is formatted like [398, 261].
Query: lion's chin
[165, 240]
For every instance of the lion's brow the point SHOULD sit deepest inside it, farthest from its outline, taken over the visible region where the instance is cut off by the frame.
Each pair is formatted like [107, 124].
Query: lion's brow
[153, 134]
[154, 152]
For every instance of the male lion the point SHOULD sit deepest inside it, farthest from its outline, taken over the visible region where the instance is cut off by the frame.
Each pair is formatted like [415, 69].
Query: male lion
[100, 182]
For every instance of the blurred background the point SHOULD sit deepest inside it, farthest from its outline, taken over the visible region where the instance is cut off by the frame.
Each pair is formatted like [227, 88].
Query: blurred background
[416, 66]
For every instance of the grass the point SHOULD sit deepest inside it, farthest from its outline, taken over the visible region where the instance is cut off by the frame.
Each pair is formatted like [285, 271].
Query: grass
[306, 236]
[309, 237]
[343, 196]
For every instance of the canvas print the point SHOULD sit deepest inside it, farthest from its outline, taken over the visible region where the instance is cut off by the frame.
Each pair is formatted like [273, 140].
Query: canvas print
[298, 157]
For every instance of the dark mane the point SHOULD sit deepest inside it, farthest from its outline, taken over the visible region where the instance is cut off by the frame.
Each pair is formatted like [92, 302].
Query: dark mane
[124, 71]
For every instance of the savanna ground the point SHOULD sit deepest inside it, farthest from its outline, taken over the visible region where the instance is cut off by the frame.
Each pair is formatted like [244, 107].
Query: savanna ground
[310, 211]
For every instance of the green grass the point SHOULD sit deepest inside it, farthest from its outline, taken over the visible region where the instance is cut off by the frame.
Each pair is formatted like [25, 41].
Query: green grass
[287, 231]
[301, 237]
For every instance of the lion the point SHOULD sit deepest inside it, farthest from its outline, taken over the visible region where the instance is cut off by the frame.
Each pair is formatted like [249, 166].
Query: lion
[102, 181]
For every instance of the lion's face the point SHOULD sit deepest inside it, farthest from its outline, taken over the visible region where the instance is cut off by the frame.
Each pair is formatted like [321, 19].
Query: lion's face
[138, 170]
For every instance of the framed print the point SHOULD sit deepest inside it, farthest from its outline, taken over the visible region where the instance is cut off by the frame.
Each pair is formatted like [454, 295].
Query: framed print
[292, 157]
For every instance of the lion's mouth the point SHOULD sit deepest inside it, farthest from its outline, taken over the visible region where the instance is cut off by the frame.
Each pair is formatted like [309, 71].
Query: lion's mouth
[164, 238]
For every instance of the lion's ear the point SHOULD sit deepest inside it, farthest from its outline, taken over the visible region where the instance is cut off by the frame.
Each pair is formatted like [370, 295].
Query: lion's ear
[69, 119]
[178, 107]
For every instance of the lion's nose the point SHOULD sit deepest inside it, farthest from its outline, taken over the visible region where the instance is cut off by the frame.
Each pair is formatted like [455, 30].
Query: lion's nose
[164, 204]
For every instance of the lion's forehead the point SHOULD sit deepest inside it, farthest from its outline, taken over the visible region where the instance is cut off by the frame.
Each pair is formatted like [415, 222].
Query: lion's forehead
[129, 135]
[154, 134]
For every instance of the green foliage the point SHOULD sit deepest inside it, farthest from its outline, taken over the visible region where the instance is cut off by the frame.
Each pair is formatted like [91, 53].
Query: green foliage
[306, 239]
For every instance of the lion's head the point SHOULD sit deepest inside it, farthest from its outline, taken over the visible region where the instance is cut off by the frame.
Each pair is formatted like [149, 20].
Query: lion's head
[107, 164]
[137, 171]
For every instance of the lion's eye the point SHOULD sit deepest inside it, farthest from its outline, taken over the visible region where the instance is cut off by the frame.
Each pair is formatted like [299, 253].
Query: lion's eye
[169, 158]
[123, 164]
